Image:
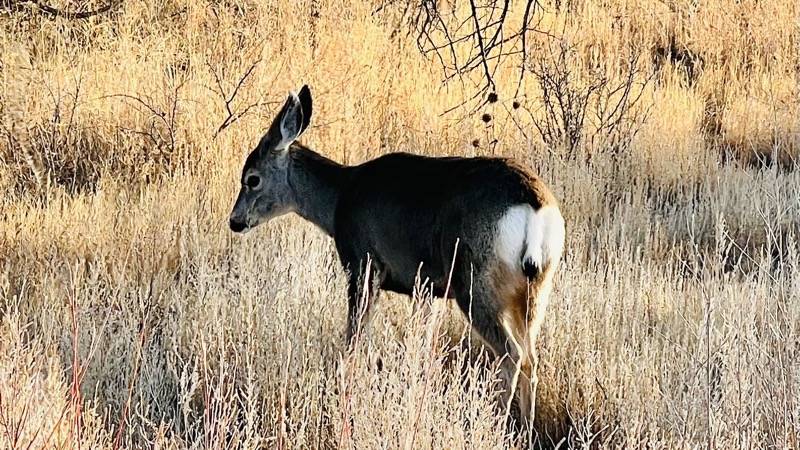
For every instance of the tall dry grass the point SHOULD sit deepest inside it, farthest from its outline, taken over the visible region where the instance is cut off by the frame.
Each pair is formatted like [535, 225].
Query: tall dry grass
[131, 317]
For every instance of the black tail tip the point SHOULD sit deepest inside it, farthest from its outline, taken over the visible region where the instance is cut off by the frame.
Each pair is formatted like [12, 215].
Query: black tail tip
[530, 269]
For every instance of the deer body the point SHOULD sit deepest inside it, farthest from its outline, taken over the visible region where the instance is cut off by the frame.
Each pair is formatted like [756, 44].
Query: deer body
[402, 217]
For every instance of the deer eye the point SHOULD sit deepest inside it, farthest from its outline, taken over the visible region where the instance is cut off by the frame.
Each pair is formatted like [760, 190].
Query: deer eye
[252, 181]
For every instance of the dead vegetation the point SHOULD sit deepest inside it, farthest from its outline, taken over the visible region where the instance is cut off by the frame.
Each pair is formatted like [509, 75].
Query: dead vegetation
[130, 317]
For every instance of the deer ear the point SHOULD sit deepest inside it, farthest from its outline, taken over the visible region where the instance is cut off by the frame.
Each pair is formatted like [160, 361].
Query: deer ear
[287, 126]
[305, 105]
[291, 122]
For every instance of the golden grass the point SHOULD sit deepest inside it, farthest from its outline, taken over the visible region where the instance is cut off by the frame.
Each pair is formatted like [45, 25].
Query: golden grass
[674, 322]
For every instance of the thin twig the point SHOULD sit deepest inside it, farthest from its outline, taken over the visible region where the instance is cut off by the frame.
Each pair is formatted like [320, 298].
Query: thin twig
[233, 116]
[530, 6]
[479, 38]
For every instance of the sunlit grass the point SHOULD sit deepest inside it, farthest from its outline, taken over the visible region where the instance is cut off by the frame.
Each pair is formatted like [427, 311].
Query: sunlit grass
[673, 322]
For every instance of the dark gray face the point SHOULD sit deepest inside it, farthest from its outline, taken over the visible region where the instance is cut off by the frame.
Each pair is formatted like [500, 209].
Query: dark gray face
[265, 191]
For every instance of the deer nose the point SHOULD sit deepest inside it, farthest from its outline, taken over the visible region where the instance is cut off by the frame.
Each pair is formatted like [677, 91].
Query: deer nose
[237, 227]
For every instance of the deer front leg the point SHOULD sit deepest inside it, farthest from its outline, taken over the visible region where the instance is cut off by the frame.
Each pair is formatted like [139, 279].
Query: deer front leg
[363, 284]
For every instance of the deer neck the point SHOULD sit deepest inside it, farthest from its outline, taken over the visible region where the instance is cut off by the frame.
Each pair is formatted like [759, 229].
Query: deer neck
[316, 183]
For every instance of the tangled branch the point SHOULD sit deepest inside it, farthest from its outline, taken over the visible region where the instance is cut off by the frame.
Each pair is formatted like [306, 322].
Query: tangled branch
[601, 106]
[478, 39]
[234, 113]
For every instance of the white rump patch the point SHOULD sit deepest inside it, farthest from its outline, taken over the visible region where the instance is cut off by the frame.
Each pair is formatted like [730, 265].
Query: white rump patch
[511, 233]
[540, 233]
[554, 233]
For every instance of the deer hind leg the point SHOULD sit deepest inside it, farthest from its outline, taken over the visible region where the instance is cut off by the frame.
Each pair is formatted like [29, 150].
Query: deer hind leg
[522, 303]
[536, 300]
[523, 379]
[504, 337]
[495, 335]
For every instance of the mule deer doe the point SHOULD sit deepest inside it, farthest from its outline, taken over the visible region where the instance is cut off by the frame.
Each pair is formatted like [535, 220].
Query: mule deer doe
[403, 214]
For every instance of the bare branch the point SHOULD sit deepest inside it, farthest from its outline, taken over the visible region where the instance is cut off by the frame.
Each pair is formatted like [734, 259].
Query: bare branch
[233, 114]
[167, 115]
[529, 7]
[478, 38]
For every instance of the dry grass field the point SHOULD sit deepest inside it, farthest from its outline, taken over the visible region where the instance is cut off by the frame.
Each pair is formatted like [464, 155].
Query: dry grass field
[131, 317]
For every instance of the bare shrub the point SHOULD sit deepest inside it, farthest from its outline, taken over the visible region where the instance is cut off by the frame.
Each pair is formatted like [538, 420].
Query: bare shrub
[594, 106]
[39, 154]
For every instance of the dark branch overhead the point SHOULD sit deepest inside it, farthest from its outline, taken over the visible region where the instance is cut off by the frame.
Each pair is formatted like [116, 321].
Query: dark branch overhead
[486, 34]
